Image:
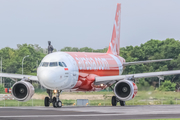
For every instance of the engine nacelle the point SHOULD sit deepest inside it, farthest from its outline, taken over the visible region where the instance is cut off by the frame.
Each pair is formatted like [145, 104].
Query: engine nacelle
[22, 91]
[125, 90]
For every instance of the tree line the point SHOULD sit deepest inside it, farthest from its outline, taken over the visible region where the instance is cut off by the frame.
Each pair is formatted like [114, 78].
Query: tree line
[151, 50]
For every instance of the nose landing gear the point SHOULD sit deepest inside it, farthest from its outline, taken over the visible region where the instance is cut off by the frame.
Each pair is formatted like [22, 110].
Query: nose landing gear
[55, 100]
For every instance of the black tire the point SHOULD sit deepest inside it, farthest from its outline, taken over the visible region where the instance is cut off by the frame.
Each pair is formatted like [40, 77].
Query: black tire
[59, 104]
[54, 102]
[54, 99]
[122, 103]
[46, 102]
[113, 101]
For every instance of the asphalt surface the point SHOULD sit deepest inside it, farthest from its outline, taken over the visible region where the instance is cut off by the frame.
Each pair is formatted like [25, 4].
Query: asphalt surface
[90, 113]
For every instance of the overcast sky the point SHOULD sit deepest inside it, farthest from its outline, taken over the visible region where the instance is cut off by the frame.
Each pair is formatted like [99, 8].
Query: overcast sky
[86, 23]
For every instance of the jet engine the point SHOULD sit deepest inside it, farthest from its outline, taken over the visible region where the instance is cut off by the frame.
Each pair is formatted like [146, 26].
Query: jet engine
[125, 90]
[22, 91]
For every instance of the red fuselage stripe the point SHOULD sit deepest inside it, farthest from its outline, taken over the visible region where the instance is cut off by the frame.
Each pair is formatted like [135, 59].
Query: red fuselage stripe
[94, 64]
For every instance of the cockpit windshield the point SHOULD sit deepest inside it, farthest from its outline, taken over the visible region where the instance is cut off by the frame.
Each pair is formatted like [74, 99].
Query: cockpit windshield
[64, 64]
[45, 64]
[53, 64]
[60, 64]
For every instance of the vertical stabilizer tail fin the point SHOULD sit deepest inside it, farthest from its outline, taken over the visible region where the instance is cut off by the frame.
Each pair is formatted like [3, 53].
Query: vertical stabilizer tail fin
[115, 40]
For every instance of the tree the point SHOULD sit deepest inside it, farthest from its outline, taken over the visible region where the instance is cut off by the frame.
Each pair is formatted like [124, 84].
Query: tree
[152, 49]
[2, 89]
[143, 85]
[168, 86]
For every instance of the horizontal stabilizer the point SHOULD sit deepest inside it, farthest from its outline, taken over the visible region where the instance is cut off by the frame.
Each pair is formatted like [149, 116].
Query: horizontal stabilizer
[142, 62]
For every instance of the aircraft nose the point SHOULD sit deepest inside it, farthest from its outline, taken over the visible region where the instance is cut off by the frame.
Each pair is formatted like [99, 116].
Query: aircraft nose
[49, 78]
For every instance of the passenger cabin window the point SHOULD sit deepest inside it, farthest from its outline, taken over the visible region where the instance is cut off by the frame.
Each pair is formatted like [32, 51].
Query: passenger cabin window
[45, 64]
[60, 64]
[64, 64]
[53, 64]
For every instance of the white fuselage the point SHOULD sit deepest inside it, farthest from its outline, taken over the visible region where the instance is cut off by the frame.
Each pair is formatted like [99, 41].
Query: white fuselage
[58, 77]
[72, 70]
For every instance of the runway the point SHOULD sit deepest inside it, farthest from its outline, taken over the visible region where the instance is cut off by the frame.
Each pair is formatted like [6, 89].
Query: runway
[90, 112]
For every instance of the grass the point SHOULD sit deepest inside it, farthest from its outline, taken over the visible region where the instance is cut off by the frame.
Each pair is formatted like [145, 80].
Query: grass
[12, 103]
[156, 97]
[43, 92]
[142, 98]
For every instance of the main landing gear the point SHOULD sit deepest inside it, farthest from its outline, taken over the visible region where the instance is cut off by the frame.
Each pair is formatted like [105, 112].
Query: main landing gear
[114, 101]
[55, 100]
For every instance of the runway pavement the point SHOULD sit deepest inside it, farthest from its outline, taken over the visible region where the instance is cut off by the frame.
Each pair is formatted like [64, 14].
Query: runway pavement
[90, 112]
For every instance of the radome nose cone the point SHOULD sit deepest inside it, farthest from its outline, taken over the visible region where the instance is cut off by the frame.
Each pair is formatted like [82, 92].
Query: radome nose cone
[52, 79]
[48, 78]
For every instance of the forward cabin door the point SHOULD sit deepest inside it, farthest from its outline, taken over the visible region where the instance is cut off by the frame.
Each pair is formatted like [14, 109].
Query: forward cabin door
[73, 69]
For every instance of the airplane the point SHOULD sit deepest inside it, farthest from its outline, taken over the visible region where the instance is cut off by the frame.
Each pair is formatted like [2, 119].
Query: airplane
[83, 71]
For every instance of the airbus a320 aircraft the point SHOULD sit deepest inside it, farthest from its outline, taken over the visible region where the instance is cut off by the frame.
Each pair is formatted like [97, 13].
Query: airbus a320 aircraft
[81, 71]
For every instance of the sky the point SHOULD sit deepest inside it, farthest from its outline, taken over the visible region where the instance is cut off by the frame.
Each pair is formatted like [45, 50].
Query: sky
[86, 23]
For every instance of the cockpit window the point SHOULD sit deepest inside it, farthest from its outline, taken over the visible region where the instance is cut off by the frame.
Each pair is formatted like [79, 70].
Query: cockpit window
[45, 64]
[53, 64]
[60, 64]
[40, 64]
[64, 64]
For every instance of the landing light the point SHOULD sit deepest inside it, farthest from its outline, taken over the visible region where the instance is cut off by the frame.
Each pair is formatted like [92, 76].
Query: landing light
[55, 91]
[102, 85]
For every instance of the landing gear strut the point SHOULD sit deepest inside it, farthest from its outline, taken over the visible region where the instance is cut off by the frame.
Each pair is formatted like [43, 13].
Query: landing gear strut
[114, 101]
[55, 100]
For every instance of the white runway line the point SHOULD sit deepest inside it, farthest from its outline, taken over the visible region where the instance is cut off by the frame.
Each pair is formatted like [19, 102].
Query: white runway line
[59, 115]
[85, 115]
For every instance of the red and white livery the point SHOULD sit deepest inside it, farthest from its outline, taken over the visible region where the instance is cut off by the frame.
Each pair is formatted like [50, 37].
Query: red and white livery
[82, 71]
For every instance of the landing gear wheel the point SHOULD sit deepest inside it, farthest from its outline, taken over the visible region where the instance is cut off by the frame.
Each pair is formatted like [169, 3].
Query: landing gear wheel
[46, 102]
[122, 103]
[54, 102]
[59, 104]
[113, 101]
[54, 99]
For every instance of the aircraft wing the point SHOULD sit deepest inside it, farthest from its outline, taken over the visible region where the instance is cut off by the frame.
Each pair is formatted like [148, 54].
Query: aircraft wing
[142, 62]
[19, 76]
[110, 79]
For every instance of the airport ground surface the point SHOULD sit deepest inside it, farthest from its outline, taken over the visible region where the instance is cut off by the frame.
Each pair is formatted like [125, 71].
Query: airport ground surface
[90, 113]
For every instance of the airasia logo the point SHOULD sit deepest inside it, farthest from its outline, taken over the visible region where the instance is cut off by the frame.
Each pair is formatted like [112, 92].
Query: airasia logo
[92, 63]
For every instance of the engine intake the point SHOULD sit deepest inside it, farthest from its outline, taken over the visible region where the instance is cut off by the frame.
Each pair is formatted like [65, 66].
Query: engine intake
[125, 90]
[22, 91]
